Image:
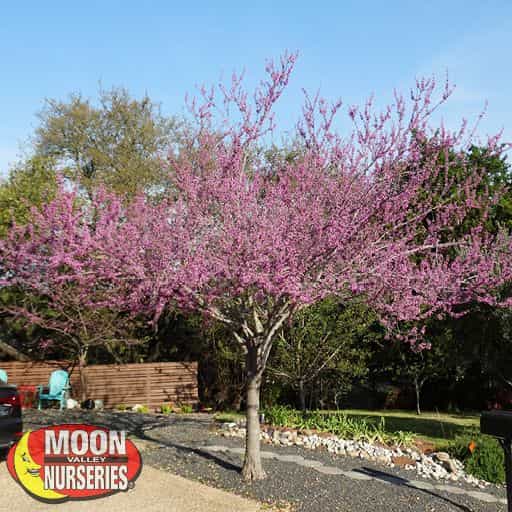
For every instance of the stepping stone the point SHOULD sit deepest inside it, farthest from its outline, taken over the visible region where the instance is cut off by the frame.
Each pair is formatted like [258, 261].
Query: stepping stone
[355, 475]
[451, 489]
[483, 496]
[329, 470]
[290, 458]
[310, 463]
[268, 455]
[241, 451]
[503, 501]
[214, 448]
[425, 486]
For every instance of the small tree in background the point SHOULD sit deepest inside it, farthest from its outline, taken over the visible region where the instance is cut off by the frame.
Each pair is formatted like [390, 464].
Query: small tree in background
[417, 367]
[325, 338]
[40, 291]
[251, 248]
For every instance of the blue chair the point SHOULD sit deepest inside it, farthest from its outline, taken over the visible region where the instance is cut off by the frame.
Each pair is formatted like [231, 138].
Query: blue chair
[57, 389]
[3, 376]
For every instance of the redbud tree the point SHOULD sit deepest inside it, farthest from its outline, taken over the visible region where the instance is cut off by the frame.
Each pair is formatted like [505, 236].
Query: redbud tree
[371, 213]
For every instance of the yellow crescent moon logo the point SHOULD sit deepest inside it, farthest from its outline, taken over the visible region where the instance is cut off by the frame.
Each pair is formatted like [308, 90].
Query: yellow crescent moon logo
[27, 471]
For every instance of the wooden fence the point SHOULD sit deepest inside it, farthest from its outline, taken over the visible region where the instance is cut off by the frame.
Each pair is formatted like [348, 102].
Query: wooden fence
[150, 384]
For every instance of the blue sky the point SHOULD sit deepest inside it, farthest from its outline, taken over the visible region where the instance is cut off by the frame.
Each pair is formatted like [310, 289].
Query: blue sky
[348, 49]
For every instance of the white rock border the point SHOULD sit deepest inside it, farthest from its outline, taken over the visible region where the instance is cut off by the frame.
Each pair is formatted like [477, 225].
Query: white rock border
[437, 466]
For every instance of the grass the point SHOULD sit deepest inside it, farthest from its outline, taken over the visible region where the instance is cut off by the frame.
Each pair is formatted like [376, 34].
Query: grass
[228, 416]
[437, 428]
[433, 427]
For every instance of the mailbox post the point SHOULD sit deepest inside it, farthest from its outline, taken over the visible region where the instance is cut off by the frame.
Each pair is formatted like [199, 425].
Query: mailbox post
[499, 425]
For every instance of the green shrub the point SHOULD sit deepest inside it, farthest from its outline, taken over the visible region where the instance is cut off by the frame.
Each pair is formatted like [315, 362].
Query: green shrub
[337, 423]
[142, 409]
[121, 407]
[186, 408]
[166, 408]
[176, 408]
[282, 416]
[485, 461]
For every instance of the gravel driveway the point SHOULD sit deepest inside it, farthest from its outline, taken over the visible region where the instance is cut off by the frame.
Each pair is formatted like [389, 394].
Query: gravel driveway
[189, 446]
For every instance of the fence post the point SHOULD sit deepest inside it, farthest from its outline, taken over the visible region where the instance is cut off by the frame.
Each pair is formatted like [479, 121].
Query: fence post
[148, 384]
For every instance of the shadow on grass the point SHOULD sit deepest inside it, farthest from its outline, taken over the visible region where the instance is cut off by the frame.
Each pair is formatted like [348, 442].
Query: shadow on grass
[428, 427]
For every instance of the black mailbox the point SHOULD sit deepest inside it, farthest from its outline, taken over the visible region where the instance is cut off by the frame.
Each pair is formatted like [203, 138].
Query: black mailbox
[497, 424]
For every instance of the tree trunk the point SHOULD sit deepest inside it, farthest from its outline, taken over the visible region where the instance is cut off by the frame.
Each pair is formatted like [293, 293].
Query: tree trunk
[252, 469]
[417, 388]
[237, 400]
[82, 362]
[302, 395]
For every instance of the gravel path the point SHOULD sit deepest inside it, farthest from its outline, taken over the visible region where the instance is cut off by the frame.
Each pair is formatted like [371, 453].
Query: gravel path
[189, 446]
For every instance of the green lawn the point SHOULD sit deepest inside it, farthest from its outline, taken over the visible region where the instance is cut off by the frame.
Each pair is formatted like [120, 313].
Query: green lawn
[228, 416]
[438, 428]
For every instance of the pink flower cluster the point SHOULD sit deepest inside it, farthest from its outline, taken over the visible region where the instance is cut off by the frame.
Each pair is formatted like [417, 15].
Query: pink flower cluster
[374, 213]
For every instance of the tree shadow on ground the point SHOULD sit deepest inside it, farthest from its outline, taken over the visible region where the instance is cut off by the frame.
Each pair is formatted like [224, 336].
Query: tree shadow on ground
[403, 482]
[200, 452]
[139, 426]
[132, 422]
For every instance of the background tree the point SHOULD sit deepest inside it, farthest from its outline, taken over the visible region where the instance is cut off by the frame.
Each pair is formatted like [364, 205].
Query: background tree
[475, 344]
[415, 368]
[31, 183]
[189, 337]
[69, 330]
[120, 142]
[484, 339]
[326, 338]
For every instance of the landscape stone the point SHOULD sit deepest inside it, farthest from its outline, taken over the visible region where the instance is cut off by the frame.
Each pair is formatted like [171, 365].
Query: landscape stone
[310, 463]
[421, 485]
[403, 460]
[483, 496]
[329, 470]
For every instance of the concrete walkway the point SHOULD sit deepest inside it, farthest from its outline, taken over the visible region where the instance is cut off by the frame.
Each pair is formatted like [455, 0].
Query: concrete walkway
[154, 491]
